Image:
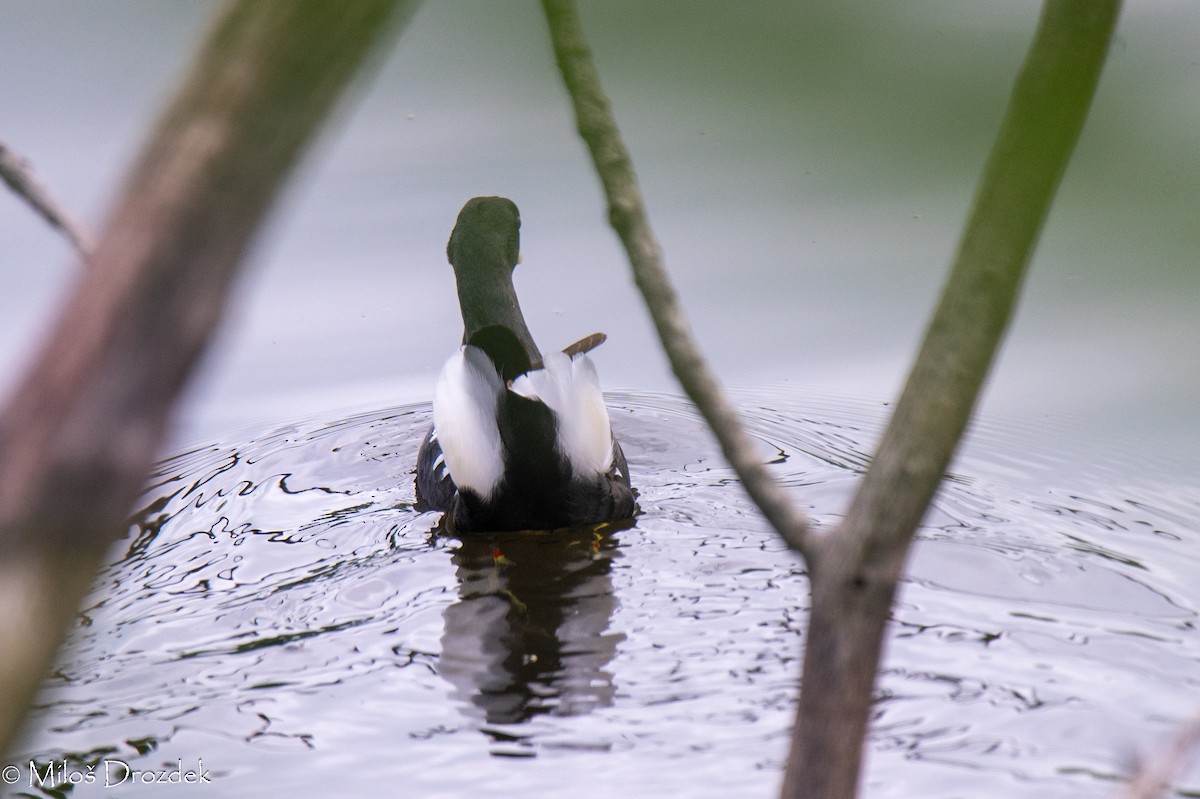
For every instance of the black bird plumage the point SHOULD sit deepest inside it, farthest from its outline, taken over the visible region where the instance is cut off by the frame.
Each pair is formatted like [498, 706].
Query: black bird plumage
[506, 458]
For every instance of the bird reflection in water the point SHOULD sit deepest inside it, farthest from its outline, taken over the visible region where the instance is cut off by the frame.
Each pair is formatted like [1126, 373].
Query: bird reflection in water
[529, 634]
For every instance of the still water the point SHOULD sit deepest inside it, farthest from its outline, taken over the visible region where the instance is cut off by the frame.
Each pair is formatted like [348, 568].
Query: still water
[280, 612]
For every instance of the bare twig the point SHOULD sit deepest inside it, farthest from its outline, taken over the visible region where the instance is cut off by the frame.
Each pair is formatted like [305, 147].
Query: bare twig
[84, 426]
[854, 568]
[1154, 775]
[594, 119]
[20, 177]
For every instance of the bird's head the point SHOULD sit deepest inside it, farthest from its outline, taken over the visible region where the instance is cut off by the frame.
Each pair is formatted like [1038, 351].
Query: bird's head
[484, 248]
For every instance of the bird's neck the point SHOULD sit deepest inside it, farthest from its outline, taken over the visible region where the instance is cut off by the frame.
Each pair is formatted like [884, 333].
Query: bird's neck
[489, 300]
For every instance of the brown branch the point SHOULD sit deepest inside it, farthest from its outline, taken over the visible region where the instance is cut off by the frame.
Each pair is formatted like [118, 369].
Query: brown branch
[20, 177]
[594, 119]
[857, 565]
[82, 429]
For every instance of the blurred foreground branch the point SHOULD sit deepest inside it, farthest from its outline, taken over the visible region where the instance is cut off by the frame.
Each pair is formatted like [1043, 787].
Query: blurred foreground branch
[1154, 775]
[627, 214]
[20, 177]
[854, 568]
[82, 429]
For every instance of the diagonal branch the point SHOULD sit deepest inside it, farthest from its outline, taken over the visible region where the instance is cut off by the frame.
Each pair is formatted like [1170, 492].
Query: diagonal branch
[24, 182]
[1046, 113]
[859, 563]
[594, 119]
[79, 435]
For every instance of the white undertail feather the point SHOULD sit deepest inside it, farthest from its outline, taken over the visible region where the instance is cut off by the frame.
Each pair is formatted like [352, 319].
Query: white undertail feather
[464, 418]
[571, 388]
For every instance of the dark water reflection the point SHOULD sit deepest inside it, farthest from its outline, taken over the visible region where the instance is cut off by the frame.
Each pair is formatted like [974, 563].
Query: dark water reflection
[530, 631]
[282, 612]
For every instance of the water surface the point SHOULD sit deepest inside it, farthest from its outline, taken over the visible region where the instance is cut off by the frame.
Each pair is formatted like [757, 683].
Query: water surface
[281, 612]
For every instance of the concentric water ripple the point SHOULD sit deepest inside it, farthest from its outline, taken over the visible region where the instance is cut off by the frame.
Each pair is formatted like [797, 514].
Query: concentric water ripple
[281, 611]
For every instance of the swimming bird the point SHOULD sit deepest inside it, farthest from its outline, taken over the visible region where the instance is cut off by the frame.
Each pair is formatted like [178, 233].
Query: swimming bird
[518, 442]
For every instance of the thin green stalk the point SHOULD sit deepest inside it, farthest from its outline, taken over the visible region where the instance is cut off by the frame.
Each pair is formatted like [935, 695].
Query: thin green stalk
[627, 214]
[855, 566]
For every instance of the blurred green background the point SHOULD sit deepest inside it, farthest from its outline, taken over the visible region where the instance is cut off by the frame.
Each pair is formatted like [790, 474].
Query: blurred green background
[807, 166]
